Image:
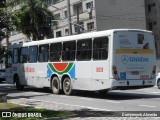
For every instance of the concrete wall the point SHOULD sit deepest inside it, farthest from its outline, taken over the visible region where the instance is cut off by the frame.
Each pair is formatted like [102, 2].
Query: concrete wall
[112, 14]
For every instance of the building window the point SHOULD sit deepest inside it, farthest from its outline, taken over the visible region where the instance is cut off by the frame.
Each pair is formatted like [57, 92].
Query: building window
[55, 52]
[21, 42]
[149, 8]
[153, 4]
[66, 14]
[100, 48]
[57, 16]
[77, 8]
[90, 26]
[15, 55]
[80, 27]
[66, 32]
[48, 2]
[24, 55]
[43, 53]
[58, 34]
[56, 1]
[154, 23]
[84, 49]
[69, 50]
[33, 51]
[89, 5]
[150, 26]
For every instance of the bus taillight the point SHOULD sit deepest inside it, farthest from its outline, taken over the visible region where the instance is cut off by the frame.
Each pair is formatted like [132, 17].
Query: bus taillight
[153, 75]
[115, 72]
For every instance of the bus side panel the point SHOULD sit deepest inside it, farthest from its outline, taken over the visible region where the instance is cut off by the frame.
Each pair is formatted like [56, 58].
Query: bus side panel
[9, 78]
[37, 74]
[100, 75]
[18, 69]
[82, 79]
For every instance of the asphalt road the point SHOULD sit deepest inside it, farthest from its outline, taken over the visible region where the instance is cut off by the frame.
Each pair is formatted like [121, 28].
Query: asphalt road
[147, 99]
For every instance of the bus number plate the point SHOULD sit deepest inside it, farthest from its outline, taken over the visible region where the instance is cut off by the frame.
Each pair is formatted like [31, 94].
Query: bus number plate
[144, 77]
[134, 73]
[99, 69]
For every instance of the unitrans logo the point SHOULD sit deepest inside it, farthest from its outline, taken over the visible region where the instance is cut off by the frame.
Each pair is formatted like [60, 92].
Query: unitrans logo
[125, 59]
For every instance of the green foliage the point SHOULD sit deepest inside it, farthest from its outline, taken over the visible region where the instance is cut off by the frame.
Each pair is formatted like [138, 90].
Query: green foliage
[31, 19]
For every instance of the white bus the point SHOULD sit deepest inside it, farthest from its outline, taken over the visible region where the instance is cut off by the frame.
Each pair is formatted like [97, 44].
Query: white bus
[97, 61]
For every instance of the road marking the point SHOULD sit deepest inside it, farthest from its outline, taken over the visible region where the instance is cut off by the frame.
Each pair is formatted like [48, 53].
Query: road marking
[91, 99]
[155, 92]
[86, 99]
[148, 106]
[112, 101]
[93, 108]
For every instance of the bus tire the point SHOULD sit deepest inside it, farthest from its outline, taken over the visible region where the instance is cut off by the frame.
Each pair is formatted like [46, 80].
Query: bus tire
[55, 85]
[67, 86]
[158, 83]
[103, 92]
[18, 84]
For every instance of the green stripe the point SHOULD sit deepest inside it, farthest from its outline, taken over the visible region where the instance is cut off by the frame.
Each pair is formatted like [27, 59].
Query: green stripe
[60, 73]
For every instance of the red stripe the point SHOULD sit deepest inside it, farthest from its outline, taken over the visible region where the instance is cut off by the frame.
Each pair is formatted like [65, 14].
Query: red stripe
[60, 66]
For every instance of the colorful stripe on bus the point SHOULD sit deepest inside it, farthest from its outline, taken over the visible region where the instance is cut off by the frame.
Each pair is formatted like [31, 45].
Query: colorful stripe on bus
[61, 68]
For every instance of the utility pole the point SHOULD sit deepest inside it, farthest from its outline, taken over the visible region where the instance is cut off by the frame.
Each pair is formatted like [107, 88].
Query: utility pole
[69, 18]
[78, 27]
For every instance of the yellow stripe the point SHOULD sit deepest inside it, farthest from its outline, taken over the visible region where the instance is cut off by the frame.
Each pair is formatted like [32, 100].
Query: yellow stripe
[134, 51]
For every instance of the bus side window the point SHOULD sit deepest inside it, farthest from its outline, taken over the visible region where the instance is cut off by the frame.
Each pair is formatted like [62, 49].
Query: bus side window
[15, 55]
[84, 49]
[69, 49]
[43, 53]
[33, 54]
[24, 55]
[100, 48]
[55, 52]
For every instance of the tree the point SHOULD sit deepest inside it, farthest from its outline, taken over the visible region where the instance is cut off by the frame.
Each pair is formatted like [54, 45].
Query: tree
[2, 3]
[32, 19]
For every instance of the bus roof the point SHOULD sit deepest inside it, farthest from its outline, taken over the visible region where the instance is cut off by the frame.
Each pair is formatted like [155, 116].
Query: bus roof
[79, 36]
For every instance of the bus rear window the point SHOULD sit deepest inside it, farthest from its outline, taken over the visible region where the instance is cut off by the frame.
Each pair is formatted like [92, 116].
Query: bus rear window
[134, 40]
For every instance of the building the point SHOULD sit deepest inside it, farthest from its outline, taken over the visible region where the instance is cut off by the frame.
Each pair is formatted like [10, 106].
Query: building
[91, 15]
[153, 21]
[96, 15]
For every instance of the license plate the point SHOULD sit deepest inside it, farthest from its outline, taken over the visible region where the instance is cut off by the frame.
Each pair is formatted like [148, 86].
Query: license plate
[134, 73]
[144, 77]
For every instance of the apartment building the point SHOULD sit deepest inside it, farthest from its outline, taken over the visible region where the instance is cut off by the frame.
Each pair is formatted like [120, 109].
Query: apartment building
[91, 15]
[96, 15]
[153, 20]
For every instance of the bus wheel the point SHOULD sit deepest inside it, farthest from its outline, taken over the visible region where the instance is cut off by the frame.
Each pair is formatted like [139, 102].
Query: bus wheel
[18, 84]
[158, 83]
[67, 87]
[55, 85]
[103, 92]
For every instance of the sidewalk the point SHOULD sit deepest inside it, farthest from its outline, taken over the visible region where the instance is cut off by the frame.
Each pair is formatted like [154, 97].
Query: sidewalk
[79, 113]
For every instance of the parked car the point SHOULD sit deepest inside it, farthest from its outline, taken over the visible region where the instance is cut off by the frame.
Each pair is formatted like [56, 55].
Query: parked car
[158, 79]
[2, 69]
[2, 75]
